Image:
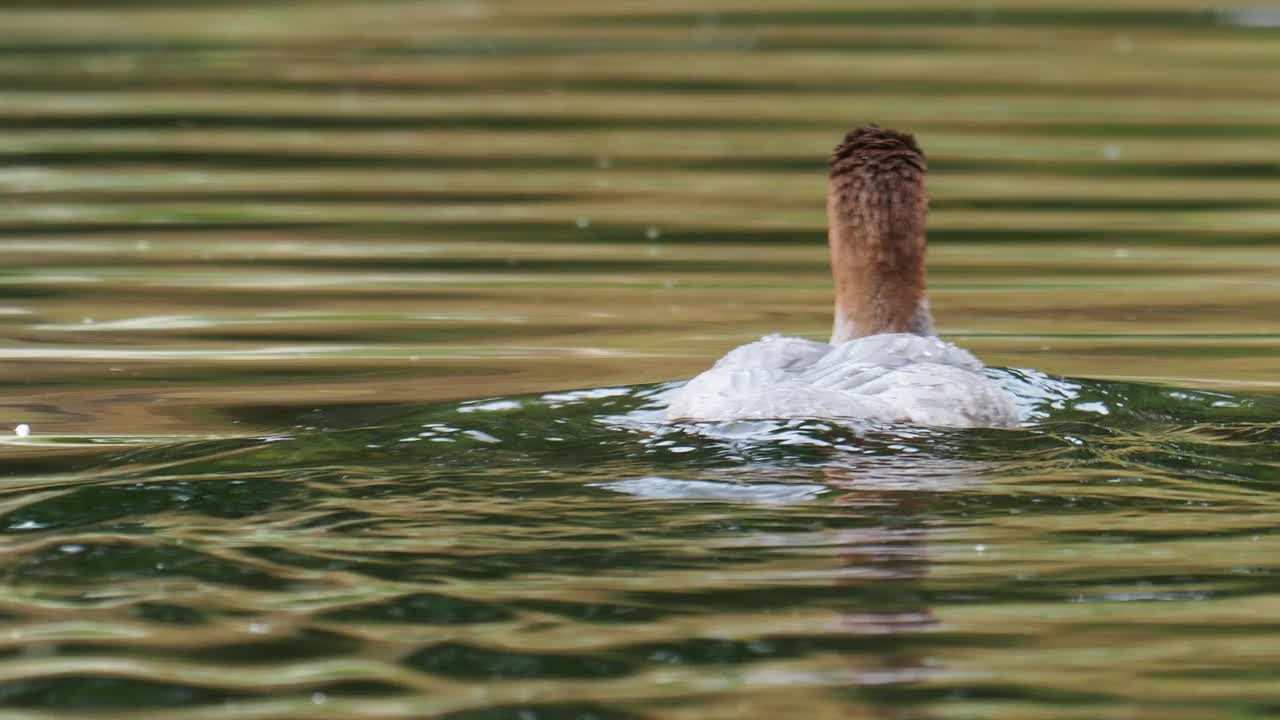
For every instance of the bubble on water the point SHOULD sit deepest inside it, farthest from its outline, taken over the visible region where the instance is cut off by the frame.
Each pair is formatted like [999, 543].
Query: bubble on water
[652, 232]
[22, 430]
[582, 223]
[1111, 152]
[494, 406]
[664, 488]
[481, 436]
[1093, 407]
[589, 394]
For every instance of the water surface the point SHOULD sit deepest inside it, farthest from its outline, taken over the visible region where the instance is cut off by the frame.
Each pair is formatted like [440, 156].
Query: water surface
[341, 329]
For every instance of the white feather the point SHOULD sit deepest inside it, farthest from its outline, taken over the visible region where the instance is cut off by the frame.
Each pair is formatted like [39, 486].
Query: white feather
[882, 378]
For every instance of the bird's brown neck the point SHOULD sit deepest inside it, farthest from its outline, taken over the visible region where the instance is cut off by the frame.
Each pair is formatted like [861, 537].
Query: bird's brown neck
[876, 210]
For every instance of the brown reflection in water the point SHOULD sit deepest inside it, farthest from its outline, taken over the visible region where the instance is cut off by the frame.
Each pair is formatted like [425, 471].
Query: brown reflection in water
[887, 563]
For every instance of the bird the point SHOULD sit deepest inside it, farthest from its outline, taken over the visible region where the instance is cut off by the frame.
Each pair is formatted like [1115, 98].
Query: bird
[884, 362]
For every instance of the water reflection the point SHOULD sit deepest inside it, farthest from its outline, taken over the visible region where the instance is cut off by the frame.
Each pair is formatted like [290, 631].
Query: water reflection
[883, 493]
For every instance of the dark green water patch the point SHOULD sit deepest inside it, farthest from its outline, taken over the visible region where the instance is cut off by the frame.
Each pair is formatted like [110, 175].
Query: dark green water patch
[596, 612]
[421, 608]
[168, 614]
[464, 661]
[302, 646]
[95, 693]
[119, 506]
[87, 563]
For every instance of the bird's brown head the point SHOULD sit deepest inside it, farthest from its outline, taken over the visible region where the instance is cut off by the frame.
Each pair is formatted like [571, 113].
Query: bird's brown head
[876, 212]
[873, 151]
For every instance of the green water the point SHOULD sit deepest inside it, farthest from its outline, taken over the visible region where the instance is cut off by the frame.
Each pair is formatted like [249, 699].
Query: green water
[343, 330]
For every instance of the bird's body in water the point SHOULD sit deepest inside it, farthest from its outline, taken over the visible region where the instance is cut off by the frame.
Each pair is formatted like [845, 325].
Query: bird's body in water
[884, 363]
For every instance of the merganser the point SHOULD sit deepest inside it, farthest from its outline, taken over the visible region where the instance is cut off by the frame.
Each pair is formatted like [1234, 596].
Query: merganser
[884, 362]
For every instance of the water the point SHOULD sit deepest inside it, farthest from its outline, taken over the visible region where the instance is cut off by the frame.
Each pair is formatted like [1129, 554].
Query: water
[301, 300]
[566, 555]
